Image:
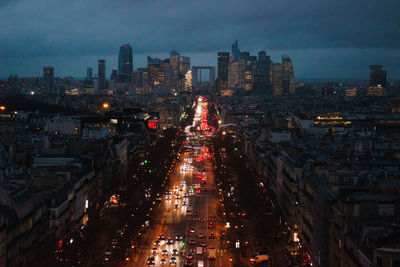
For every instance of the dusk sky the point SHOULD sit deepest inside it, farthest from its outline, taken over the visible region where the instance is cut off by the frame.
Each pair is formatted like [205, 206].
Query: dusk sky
[324, 38]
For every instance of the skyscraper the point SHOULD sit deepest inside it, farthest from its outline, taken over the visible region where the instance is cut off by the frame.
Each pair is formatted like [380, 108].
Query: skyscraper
[102, 74]
[235, 51]
[377, 76]
[89, 74]
[277, 78]
[125, 63]
[288, 76]
[114, 75]
[184, 65]
[223, 64]
[174, 60]
[264, 66]
[156, 72]
[48, 78]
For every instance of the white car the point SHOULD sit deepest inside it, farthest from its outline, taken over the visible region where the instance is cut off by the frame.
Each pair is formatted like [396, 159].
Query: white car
[173, 260]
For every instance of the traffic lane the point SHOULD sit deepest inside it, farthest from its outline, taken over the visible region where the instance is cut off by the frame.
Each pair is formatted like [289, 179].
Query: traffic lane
[157, 226]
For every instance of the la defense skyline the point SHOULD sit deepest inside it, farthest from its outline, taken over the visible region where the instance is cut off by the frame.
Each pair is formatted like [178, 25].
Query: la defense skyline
[113, 63]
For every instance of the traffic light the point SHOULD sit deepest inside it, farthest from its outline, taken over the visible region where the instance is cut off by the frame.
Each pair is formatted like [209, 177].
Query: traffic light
[236, 149]
[183, 243]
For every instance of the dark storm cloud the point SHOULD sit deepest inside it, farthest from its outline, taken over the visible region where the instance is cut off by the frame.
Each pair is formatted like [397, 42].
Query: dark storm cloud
[74, 28]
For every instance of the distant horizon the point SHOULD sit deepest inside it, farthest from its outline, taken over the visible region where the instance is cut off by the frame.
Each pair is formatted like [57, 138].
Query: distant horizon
[304, 62]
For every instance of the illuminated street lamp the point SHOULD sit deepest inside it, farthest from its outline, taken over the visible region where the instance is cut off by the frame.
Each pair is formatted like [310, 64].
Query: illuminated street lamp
[2, 108]
[106, 105]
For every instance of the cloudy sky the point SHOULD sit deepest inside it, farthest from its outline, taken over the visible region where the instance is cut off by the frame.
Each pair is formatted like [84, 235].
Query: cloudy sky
[325, 38]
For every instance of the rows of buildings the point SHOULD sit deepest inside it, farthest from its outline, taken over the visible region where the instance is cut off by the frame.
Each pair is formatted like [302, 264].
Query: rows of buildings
[333, 165]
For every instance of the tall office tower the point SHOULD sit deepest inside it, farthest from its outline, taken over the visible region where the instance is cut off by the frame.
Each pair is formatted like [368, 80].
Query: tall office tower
[188, 81]
[156, 71]
[89, 74]
[235, 51]
[249, 71]
[377, 76]
[264, 66]
[233, 74]
[222, 75]
[125, 63]
[288, 76]
[277, 78]
[174, 60]
[184, 65]
[243, 62]
[139, 77]
[48, 78]
[102, 74]
[114, 75]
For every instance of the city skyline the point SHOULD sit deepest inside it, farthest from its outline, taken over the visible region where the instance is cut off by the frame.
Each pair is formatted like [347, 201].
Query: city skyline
[344, 36]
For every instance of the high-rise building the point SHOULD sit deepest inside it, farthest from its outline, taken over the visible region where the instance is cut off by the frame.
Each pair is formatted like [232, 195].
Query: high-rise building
[223, 65]
[125, 63]
[264, 66]
[235, 51]
[156, 72]
[89, 74]
[377, 76]
[277, 78]
[48, 78]
[102, 74]
[114, 75]
[184, 65]
[288, 76]
[174, 60]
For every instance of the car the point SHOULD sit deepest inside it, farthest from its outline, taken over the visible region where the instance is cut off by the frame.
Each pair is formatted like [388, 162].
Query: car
[154, 250]
[128, 254]
[183, 182]
[179, 237]
[188, 263]
[176, 206]
[177, 196]
[151, 261]
[203, 244]
[119, 232]
[210, 225]
[174, 251]
[200, 235]
[161, 237]
[186, 195]
[107, 254]
[168, 197]
[192, 242]
[172, 260]
[181, 189]
[157, 243]
[164, 252]
[184, 203]
[163, 261]
[189, 256]
[170, 240]
[191, 230]
[211, 236]
[114, 242]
